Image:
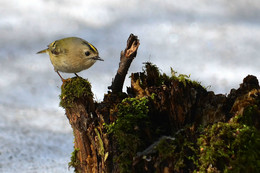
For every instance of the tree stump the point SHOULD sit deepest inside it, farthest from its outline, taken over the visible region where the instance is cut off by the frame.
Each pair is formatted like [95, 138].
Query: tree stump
[162, 124]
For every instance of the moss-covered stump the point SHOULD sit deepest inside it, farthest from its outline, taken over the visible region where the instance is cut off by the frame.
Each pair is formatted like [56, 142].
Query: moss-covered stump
[180, 115]
[91, 144]
[164, 124]
[196, 130]
[229, 147]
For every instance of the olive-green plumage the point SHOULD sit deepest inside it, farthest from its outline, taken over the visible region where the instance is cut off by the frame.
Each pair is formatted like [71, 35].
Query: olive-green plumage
[71, 55]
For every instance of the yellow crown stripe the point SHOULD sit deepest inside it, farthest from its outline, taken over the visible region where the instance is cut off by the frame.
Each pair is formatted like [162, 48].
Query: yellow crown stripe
[53, 44]
[92, 47]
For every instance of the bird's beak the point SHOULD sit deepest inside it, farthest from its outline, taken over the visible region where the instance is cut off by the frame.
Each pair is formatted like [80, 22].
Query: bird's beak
[98, 58]
[42, 51]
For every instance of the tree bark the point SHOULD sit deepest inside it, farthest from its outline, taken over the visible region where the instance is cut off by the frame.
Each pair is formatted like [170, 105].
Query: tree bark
[91, 144]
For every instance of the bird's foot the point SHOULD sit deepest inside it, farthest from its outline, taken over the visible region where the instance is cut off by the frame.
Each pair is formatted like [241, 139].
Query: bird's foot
[76, 75]
[63, 80]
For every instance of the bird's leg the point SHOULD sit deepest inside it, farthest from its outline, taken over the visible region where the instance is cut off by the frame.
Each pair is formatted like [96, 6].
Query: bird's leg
[76, 75]
[61, 77]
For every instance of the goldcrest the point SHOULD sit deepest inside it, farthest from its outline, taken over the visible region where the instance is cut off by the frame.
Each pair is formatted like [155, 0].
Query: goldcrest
[71, 55]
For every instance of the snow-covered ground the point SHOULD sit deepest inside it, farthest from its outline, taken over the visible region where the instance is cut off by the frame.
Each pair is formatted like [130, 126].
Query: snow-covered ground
[217, 42]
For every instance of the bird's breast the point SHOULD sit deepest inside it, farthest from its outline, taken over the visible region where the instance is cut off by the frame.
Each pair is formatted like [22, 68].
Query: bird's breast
[70, 64]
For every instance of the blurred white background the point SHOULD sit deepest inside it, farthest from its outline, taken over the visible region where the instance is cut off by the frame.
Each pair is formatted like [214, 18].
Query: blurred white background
[216, 41]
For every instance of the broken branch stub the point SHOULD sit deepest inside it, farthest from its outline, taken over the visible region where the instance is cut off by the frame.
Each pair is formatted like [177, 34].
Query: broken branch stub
[126, 59]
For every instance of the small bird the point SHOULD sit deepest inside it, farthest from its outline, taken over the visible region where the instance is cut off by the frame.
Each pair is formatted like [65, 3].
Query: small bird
[71, 55]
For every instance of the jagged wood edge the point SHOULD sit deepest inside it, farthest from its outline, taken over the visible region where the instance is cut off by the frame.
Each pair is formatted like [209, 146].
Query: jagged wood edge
[126, 59]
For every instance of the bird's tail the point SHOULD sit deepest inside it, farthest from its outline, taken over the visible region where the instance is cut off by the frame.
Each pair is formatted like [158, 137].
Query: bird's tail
[42, 51]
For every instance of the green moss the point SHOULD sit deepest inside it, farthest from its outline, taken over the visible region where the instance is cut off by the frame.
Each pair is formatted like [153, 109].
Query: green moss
[178, 151]
[249, 115]
[74, 88]
[229, 147]
[153, 75]
[152, 69]
[166, 148]
[128, 130]
[221, 147]
[74, 162]
[185, 79]
[130, 112]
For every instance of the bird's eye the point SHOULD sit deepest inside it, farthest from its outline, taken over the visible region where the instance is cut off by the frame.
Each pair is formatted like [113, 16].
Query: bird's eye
[87, 53]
